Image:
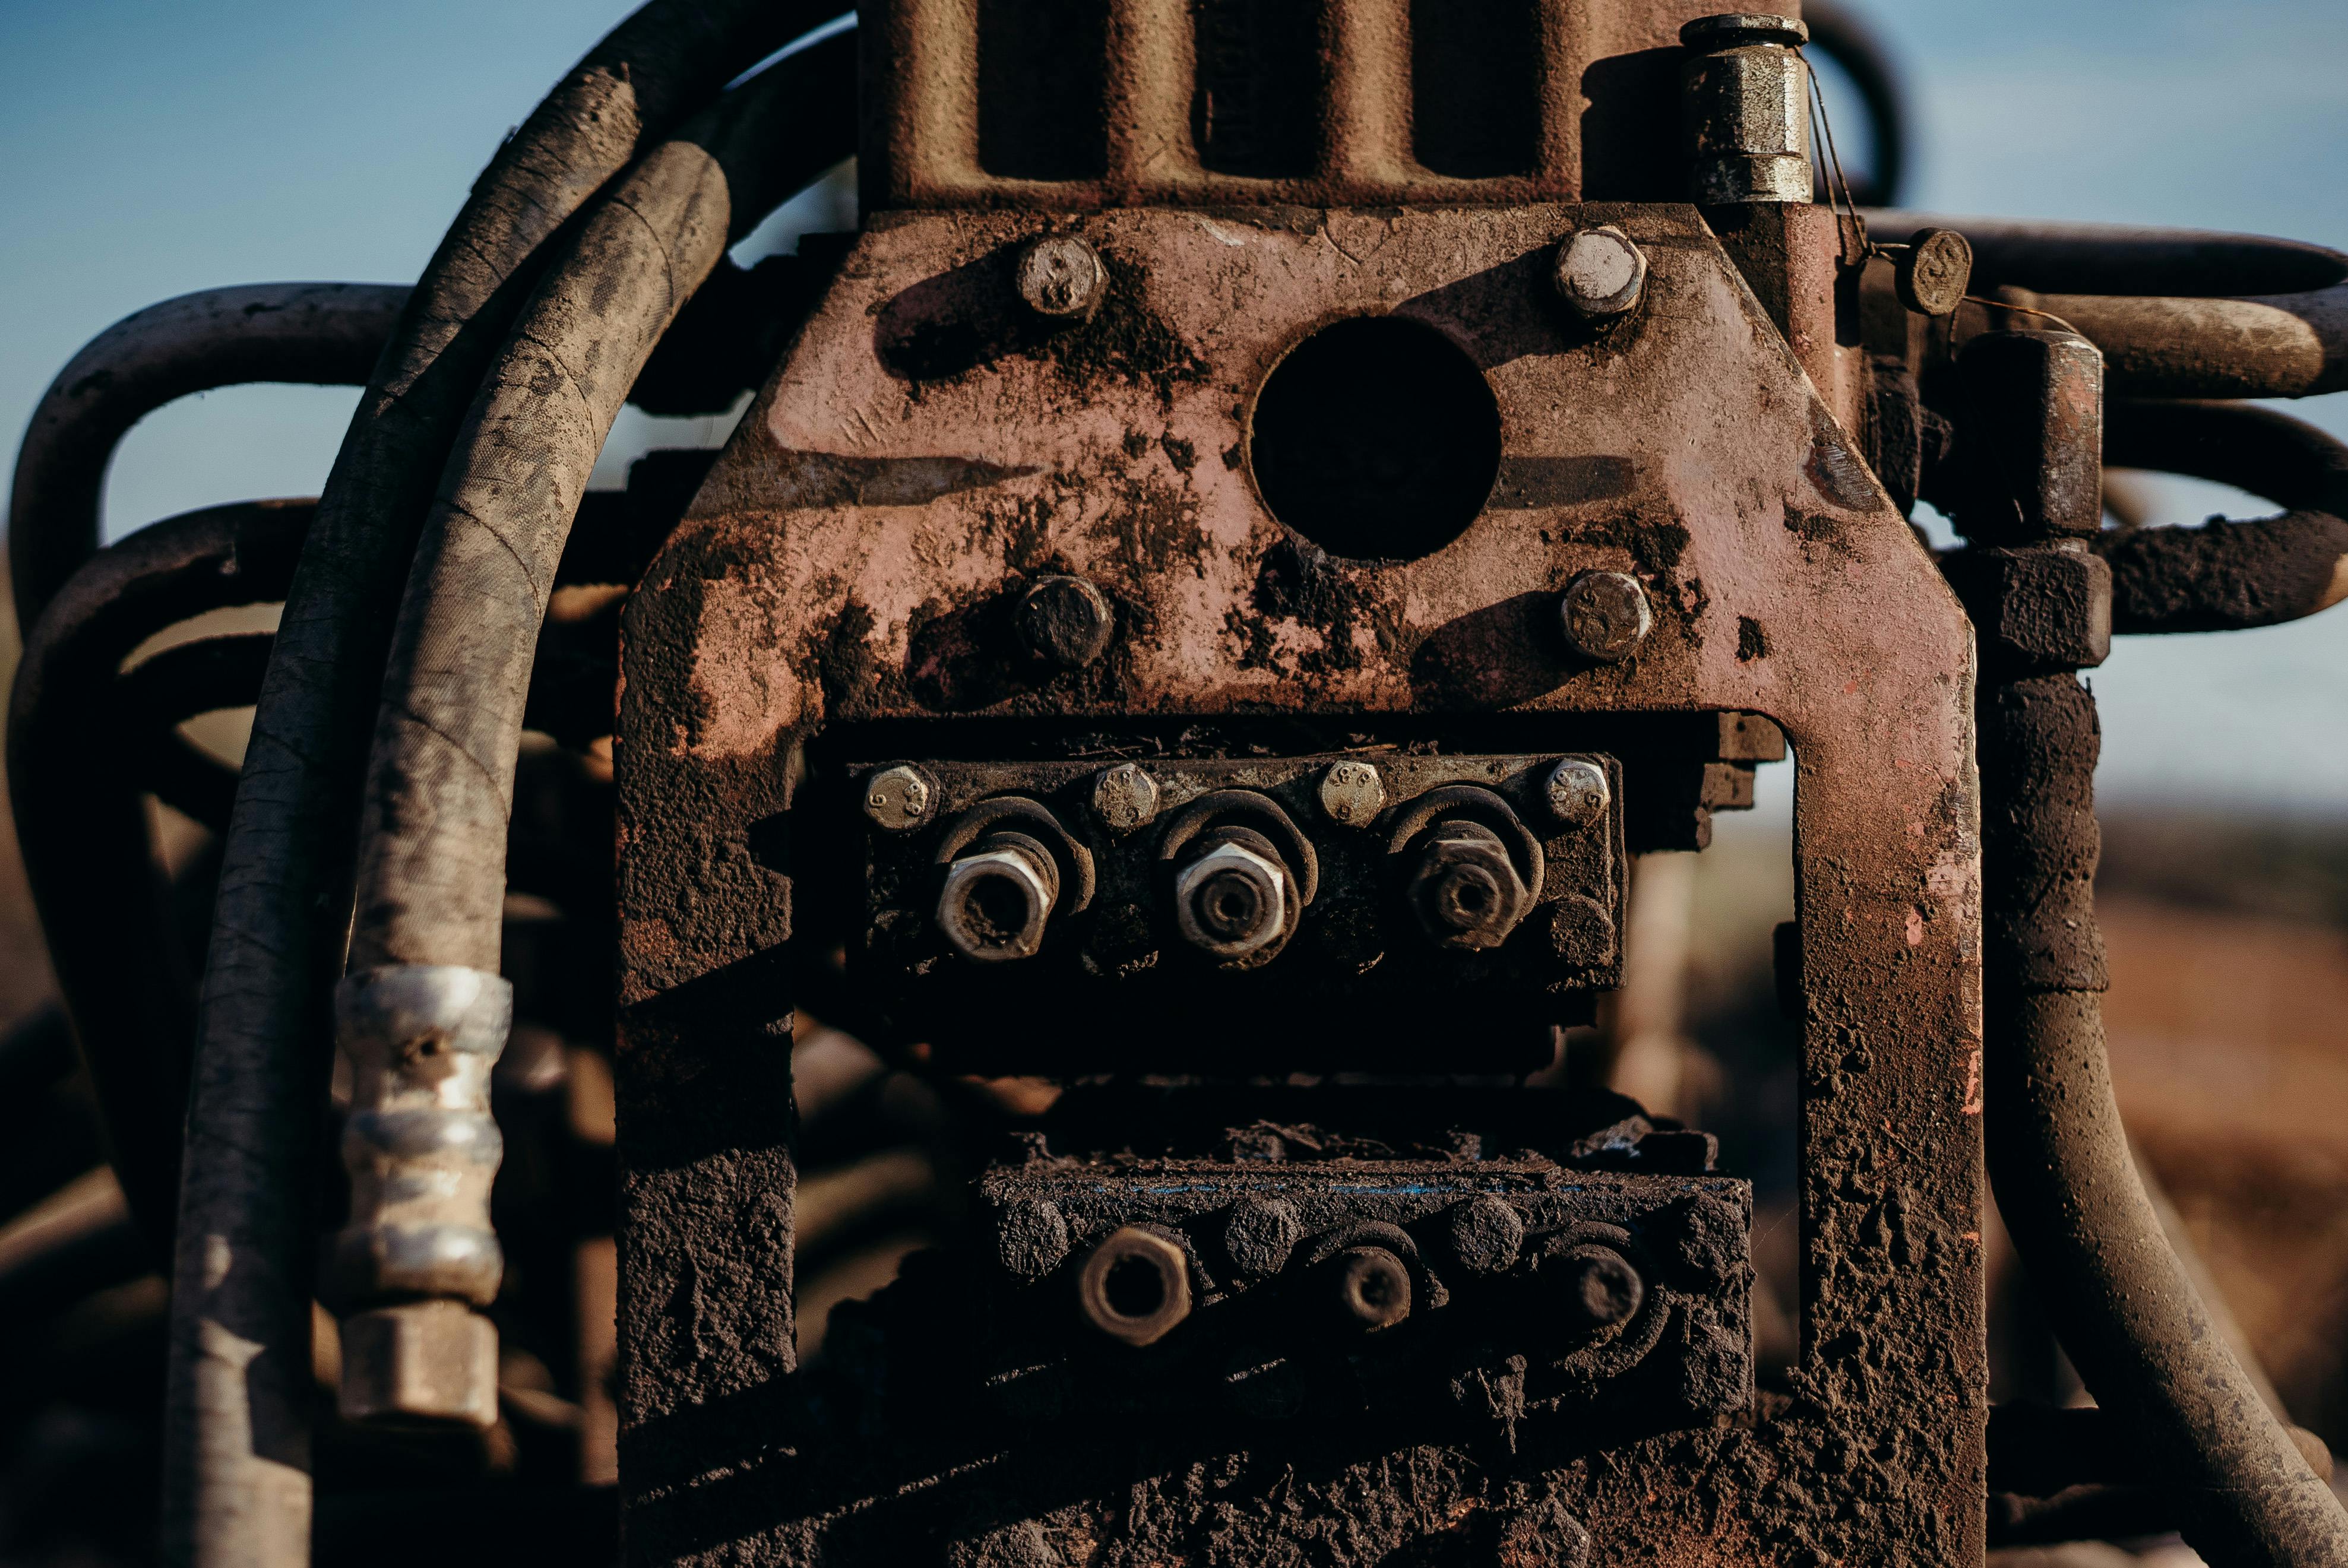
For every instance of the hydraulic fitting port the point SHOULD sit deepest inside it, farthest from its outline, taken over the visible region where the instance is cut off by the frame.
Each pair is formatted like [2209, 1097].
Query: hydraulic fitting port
[1470, 868]
[1006, 867]
[1241, 875]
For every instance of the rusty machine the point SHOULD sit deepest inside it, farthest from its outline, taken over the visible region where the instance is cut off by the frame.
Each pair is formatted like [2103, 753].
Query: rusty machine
[1278, 503]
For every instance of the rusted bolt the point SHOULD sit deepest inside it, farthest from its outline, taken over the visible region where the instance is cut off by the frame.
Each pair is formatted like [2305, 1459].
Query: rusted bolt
[1061, 276]
[1066, 620]
[1466, 890]
[421, 1364]
[1124, 798]
[898, 799]
[1931, 274]
[1576, 792]
[1230, 901]
[1031, 1238]
[1373, 1287]
[1259, 1234]
[1485, 1233]
[1135, 1286]
[1596, 1287]
[1353, 794]
[1606, 615]
[997, 899]
[1600, 274]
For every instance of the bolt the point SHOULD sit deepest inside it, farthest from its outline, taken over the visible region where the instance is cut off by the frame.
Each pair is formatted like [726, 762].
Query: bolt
[1576, 792]
[1485, 1233]
[1466, 891]
[1606, 615]
[1599, 273]
[1596, 1287]
[1061, 277]
[1124, 798]
[996, 900]
[1259, 1234]
[1031, 1238]
[898, 798]
[1931, 274]
[1135, 1286]
[420, 1363]
[1353, 794]
[1066, 620]
[1373, 1287]
[1232, 901]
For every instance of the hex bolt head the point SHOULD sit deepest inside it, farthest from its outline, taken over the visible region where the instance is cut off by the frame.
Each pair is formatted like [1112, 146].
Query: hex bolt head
[1135, 1286]
[1600, 274]
[1353, 794]
[1466, 890]
[1031, 1238]
[1061, 277]
[1606, 615]
[1066, 620]
[1485, 1233]
[1373, 1287]
[430, 1363]
[1596, 1287]
[1577, 792]
[996, 904]
[1932, 274]
[1124, 797]
[1259, 1234]
[1231, 902]
[898, 799]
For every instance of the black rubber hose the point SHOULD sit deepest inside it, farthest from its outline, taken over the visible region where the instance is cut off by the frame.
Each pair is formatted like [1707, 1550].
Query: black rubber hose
[319, 333]
[236, 1478]
[127, 986]
[2120, 1302]
[2226, 576]
[1838, 32]
[432, 856]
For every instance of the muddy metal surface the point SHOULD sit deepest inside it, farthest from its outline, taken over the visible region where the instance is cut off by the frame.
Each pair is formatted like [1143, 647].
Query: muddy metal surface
[926, 451]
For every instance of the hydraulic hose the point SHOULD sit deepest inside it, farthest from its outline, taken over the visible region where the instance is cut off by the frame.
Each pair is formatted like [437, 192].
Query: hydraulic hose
[425, 939]
[236, 1484]
[2225, 576]
[83, 826]
[319, 333]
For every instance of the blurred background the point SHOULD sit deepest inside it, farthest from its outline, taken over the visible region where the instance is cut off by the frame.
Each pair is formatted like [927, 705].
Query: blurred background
[151, 148]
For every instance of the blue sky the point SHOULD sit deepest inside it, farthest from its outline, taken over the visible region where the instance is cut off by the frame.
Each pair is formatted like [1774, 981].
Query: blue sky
[147, 149]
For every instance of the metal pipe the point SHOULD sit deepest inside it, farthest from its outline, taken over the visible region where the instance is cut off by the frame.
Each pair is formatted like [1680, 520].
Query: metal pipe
[2226, 576]
[2269, 346]
[236, 1430]
[327, 334]
[83, 829]
[2119, 1300]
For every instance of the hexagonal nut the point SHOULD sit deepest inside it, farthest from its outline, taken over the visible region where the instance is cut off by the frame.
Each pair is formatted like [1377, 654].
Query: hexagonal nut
[1135, 1286]
[1124, 797]
[1231, 902]
[419, 1363]
[1594, 1288]
[1577, 792]
[1606, 615]
[1466, 890]
[898, 799]
[1373, 1287]
[1061, 277]
[1353, 794]
[2035, 606]
[995, 904]
[1600, 274]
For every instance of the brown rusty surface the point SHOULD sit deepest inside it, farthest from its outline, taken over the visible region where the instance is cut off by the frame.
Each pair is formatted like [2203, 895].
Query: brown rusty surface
[923, 450]
[1217, 102]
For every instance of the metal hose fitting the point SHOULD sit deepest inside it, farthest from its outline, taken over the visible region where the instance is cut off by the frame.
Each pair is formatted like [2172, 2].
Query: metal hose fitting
[422, 1151]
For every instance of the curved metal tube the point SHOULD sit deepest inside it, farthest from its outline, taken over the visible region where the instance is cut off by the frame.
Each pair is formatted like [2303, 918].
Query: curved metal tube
[2226, 576]
[236, 1476]
[326, 335]
[2269, 346]
[82, 828]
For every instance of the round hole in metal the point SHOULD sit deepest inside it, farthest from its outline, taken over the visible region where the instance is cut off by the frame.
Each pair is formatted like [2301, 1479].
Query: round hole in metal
[1376, 438]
